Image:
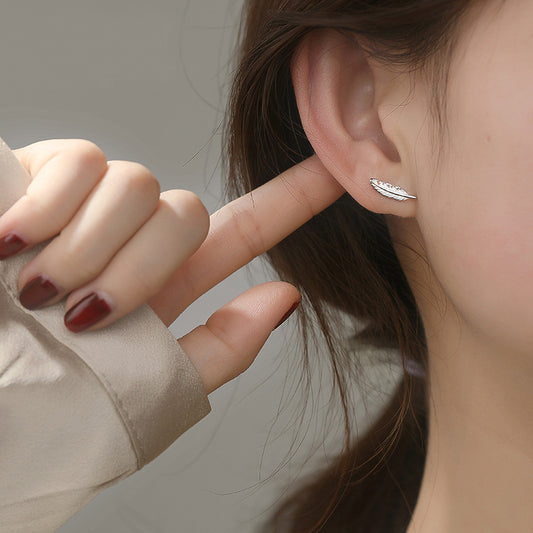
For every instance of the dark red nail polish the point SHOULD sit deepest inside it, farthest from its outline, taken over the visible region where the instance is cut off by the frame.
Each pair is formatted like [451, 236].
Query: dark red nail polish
[37, 292]
[86, 313]
[288, 313]
[10, 244]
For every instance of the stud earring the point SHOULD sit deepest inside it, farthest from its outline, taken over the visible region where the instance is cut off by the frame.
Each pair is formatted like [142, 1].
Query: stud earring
[389, 190]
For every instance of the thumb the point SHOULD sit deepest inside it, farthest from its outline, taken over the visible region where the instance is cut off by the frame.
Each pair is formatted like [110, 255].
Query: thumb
[230, 340]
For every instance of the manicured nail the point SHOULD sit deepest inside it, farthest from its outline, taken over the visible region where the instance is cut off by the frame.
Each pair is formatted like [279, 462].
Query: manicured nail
[37, 292]
[288, 313]
[86, 313]
[10, 244]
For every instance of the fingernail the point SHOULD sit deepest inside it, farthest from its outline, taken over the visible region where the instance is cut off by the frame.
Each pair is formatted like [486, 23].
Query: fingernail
[10, 244]
[288, 313]
[86, 313]
[37, 292]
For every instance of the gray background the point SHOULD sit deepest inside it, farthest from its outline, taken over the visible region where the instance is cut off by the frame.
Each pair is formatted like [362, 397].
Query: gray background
[147, 82]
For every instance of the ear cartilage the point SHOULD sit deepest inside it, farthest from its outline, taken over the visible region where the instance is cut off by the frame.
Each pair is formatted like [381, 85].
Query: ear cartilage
[389, 190]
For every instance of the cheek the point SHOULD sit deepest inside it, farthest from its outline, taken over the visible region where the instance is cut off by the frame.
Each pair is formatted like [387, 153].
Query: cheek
[476, 214]
[484, 260]
[477, 221]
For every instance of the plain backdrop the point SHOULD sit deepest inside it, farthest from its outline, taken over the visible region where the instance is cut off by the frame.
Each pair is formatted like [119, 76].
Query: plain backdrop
[147, 81]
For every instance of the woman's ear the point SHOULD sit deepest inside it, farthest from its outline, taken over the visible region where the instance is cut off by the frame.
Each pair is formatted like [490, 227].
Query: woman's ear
[341, 96]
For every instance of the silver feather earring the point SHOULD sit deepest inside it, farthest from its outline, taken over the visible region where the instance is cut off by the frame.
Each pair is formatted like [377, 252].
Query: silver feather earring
[389, 190]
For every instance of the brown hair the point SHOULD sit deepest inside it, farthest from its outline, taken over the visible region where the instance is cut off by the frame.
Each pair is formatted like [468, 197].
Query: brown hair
[342, 260]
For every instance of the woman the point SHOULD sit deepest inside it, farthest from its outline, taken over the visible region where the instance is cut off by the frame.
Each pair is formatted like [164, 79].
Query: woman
[433, 97]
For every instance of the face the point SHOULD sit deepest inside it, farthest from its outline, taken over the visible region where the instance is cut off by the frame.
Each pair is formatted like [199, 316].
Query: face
[476, 213]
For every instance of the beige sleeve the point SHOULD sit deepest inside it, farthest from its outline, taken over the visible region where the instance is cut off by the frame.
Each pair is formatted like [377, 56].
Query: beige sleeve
[79, 411]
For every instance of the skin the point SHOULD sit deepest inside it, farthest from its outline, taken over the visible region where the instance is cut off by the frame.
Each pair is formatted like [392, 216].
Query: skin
[470, 265]
[465, 244]
[113, 232]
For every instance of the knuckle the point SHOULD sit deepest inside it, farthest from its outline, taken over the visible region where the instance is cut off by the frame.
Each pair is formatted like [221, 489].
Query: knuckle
[194, 205]
[87, 153]
[299, 190]
[145, 182]
[137, 177]
[249, 231]
[191, 206]
[220, 331]
[36, 155]
[183, 197]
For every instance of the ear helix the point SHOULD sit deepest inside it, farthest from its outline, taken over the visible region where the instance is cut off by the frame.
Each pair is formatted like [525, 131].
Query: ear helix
[389, 190]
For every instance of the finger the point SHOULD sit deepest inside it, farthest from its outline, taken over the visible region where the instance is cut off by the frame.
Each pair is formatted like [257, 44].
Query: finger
[230, 340]
[247, 227]
[112, 213]
[63, 173]
[143, 265]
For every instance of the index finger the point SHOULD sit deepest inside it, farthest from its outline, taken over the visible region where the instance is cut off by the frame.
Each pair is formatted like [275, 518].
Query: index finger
[246, 228]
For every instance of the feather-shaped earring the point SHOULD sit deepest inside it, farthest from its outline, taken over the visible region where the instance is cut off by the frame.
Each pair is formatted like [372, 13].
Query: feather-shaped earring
[389, 190]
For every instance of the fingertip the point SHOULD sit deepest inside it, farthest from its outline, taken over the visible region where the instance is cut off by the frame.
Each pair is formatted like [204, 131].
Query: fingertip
[88, 312]
[11, 244]
[290, 311]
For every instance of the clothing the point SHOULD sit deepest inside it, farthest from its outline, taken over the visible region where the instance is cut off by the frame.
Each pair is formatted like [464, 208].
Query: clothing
[79, 412]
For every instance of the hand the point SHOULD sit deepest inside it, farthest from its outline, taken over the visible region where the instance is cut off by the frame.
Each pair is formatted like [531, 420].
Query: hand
[119, 243]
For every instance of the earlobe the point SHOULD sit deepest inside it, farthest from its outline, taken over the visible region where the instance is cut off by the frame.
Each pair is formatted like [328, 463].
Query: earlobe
[335, 88]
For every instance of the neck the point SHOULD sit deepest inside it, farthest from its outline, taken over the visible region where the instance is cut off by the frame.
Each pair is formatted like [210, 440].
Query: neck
[479, 469]
[478, 474]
